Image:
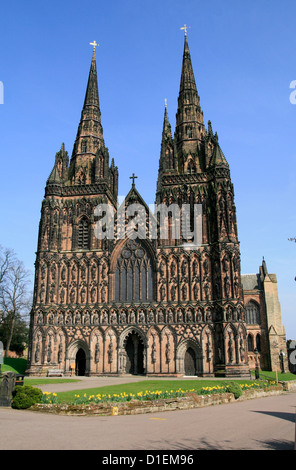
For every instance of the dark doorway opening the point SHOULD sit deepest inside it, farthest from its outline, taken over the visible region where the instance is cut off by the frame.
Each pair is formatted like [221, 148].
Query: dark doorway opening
[80, 363]
[190, 362]
[134, 355]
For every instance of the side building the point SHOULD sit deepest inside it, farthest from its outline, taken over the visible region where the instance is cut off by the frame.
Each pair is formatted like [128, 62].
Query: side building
[265, 331]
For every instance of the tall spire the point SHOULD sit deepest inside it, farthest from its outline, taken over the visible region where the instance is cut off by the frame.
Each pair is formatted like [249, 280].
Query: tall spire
[190, 127]
[166, 130]
[92, 92]
[166, 160]
[89, 139]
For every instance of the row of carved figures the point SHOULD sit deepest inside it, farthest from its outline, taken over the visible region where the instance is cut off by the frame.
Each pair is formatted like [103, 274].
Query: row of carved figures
[106, 317]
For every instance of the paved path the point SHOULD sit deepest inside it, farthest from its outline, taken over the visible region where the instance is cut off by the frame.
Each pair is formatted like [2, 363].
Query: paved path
[257, 424]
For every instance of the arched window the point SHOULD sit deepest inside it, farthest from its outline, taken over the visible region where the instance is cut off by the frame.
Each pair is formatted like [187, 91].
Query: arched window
[252, 313]
[258, 343]
[134, 274]
[191, 167]
[250, 343]
[170, 157]
[83, 234]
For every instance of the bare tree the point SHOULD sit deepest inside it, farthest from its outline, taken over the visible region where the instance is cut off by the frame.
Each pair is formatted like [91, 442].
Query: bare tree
[7, 257]
[15, 300]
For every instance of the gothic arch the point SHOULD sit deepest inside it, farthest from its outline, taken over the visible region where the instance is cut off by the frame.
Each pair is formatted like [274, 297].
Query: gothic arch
[128, 331]
[250, 340]
[182, 349]
[134, 272]
[39, 331]
[97, 349]
[231, 346]
[120, 246]
[173, 265]
[252, 313]
[83, 232]
[132, 351]
[208, 345]
[61, 347]
[72, 351]
[38, 342]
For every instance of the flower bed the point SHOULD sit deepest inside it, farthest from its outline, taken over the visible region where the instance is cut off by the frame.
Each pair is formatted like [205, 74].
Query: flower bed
[147, 395]
[152, 401]
[136, 406]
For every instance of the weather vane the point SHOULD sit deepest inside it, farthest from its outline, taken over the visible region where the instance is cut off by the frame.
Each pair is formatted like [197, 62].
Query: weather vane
[165, 102]
[185, 29]
[94, 44]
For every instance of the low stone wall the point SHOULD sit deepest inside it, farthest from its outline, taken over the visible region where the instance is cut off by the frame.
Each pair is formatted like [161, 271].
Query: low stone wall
[136, 406]
[271, 391]
[289, 386]
[141, 407]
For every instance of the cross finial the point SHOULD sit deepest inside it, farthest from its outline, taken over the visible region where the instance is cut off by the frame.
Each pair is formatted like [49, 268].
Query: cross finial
[133, 177]
[165, 102]
[94, 44]
[185, 29]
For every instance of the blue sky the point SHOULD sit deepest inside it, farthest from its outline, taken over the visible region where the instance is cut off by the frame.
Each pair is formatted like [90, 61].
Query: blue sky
[243, 59]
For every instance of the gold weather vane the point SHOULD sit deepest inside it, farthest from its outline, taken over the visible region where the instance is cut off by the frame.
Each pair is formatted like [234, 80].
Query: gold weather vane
[165, 102]
[94, 44]
[185, 29]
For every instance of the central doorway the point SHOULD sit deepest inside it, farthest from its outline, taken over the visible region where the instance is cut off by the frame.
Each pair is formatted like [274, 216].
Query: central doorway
[190, 362]
[80, 362]
[134, 349]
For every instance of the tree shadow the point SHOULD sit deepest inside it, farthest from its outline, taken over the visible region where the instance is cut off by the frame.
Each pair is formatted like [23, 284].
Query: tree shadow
[204, 445]
[278, 414]
[274, 444]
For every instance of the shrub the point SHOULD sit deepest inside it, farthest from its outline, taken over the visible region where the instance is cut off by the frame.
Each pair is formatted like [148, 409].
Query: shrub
[234, 388]
[25, 396]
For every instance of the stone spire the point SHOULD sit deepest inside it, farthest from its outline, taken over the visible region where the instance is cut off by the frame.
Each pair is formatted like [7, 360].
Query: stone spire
[218, 158]
[190, 129]
[166, 160]
[59, 174]
[189, 119]
[166, 152]
[89, 139]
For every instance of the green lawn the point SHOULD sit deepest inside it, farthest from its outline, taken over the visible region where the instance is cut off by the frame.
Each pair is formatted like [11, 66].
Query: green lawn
[44, 381]
[272, 375]
[149, 385]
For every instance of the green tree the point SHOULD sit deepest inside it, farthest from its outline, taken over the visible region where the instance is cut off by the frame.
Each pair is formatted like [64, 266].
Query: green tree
[20, 336]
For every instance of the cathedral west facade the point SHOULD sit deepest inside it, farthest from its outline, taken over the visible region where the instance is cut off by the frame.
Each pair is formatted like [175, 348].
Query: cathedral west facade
[143, 304]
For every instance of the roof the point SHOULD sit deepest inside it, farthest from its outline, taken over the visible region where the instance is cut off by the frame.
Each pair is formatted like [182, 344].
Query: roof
[251, 282]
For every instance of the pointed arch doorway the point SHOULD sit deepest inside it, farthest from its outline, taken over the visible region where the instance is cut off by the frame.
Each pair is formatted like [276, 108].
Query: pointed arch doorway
[190, 362]
[80, 362]
[134, 349]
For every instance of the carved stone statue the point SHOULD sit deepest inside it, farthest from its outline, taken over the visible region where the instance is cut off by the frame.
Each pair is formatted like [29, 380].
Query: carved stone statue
[97, 352]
